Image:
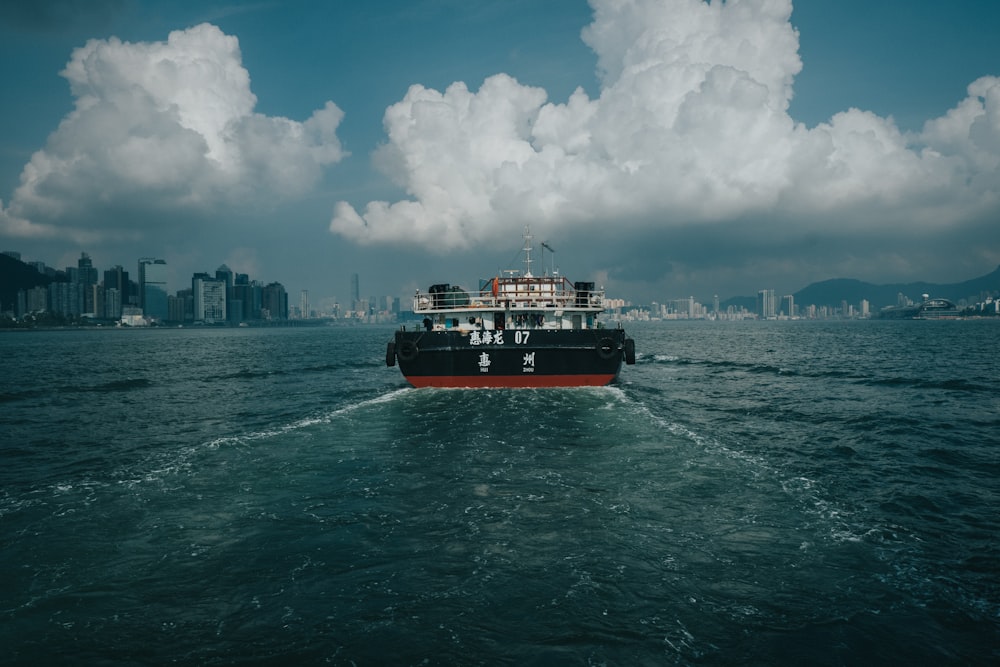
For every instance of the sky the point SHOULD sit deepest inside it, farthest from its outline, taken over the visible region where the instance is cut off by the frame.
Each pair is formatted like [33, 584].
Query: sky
[662, 148]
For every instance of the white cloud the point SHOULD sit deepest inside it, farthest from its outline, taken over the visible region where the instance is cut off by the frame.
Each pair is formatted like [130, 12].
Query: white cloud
[691, 127]
[164, 126]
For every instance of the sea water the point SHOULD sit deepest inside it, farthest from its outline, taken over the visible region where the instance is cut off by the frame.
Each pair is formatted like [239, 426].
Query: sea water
[748, 493]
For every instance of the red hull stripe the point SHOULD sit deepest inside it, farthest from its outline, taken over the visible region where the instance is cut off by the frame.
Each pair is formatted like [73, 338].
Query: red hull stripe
[527, 381]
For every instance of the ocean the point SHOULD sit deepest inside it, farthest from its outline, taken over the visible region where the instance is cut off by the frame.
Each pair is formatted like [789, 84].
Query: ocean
[793, 492]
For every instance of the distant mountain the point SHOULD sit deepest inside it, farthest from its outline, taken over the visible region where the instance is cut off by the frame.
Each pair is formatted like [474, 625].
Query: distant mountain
[833, 292]
[16, 275]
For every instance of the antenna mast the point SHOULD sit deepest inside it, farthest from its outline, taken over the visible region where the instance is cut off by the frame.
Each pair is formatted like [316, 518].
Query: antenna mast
[527, 252]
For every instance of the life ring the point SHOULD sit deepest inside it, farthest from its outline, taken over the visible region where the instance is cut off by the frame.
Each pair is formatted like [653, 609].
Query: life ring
[606, 348]
[407, 350]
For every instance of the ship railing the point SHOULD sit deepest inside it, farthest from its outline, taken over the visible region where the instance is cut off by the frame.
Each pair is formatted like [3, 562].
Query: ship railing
[580, 300]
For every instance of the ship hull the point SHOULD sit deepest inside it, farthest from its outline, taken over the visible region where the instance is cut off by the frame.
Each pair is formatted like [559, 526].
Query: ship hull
[511, 358]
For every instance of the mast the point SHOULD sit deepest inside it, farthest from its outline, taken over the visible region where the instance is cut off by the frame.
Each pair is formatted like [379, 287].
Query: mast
[527, 252]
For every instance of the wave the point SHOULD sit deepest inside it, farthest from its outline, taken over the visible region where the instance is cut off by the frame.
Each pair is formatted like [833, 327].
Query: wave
[124, 384]
[945, 384]
[253, 374]
[949, 384]
[308, 421]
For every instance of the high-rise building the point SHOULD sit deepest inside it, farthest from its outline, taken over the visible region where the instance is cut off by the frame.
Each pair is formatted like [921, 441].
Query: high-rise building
[209, 298]
[66, 298]
[356, 292]
[226, 275]
[766, 307]
[115, 278]
[247, 297]
[788, 305]
[112, 303]
[37, 299]
[275, 301]
[153, 288]
[304, 304]
[86, 275]
[175, 308]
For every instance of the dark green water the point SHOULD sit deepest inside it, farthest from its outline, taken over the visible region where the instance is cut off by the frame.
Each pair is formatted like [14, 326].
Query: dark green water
[749, 493]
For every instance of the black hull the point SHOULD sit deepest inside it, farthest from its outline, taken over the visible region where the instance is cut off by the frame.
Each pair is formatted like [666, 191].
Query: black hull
[520, 358]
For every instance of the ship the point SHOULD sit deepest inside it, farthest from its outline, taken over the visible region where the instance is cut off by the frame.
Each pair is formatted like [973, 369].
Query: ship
[516, 330]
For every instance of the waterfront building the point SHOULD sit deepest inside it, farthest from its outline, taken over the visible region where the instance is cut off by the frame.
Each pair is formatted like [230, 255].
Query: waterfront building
[37, 299]
[115, 278]
[356, 293]
[788, 305]
[132, 317]
[274, 300]
[766, 307]
[209, 299]
[247, 296]
[226, 275]
[86, 275]
[96, 300]
[153, 288]
[66, 298]
[112, 303]
[175, 308]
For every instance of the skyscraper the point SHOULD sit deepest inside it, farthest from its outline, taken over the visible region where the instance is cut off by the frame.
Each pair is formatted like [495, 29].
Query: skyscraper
[115, 278]
[766, 307]
[209, 298]
[86, 275]
[153, 288]
[355, 292]
[275, 301]
[788, 305]
[225, 274]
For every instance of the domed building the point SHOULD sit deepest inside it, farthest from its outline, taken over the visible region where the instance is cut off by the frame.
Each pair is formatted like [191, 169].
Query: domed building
[928, 309]
[936, 308]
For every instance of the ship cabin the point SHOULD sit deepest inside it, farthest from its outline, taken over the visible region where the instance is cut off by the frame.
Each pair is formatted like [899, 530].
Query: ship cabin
[511, 302]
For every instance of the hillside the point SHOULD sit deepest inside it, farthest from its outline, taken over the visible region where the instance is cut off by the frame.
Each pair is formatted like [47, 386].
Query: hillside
[14, 276]
[832, 292]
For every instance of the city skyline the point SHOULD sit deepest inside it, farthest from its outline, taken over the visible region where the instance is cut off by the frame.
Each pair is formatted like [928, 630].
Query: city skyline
[225, 297]
[661, 147]
[210, 299]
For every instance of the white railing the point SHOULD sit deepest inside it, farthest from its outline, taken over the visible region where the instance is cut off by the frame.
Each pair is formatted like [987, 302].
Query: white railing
[512, 294]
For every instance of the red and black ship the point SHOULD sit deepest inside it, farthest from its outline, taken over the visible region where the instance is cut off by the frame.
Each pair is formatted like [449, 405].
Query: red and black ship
[517, 330]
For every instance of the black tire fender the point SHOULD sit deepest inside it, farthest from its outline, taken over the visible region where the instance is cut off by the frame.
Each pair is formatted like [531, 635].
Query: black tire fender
[629, 351]
[407, 350]
[606, 348]
[390, 354]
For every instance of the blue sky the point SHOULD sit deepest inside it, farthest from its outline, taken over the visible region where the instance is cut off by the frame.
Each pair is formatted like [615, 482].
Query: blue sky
[663, 148]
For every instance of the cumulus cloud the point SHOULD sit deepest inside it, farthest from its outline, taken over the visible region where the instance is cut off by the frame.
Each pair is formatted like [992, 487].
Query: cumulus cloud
[164, 127]
[690, 130]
